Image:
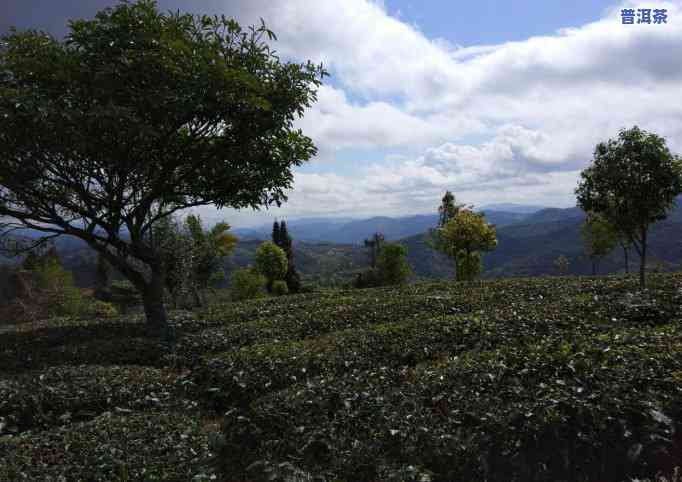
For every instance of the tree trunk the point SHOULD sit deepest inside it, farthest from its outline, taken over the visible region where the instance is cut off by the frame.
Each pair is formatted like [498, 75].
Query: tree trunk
[154, 308]
[642, 265]
[625, 255]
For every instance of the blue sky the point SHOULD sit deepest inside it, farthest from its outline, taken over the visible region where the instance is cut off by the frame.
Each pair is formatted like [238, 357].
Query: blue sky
[484, 22]
[495, 101]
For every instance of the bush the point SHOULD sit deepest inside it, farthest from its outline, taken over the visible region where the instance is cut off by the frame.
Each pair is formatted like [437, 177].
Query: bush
[370, 278]
[101, 309]
[280, 288]
[246, 284]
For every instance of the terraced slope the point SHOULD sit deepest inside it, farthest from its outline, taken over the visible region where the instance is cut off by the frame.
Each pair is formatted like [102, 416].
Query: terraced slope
[516, 379]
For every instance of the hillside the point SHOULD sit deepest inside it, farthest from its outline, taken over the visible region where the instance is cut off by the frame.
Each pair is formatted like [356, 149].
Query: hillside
[434, 381]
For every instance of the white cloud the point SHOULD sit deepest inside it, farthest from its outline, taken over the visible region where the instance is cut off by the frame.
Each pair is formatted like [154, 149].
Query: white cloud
[536, 108]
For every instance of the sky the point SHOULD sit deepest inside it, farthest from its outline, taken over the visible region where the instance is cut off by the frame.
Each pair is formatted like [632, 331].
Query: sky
[495, 101]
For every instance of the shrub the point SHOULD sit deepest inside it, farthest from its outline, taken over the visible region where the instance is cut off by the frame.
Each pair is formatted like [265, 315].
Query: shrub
[280, 288]
[370, 278]
[101, 309]
[246, 284]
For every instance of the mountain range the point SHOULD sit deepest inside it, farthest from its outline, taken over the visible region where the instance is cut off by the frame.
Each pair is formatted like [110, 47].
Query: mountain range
[530, 238]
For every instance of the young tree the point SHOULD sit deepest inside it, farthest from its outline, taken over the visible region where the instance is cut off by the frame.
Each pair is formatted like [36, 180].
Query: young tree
[191, 256]
[209, 247]
[632, 182]
[392, 264]
[600, 238]
[271, 262]
[137, 115]
[463, 238]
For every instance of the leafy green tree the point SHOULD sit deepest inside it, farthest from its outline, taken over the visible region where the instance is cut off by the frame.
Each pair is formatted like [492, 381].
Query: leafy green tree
[632, 182]
[271, 262]
[600, 238]
[246, 284]
[463, 238]
[392, 264]
[137, 115]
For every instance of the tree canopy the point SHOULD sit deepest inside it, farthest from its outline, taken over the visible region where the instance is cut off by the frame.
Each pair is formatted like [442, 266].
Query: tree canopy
[137, 115]
[463, 237]
[632, 182]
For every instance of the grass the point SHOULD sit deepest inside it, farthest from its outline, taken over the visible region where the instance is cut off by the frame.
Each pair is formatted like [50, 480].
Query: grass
[515, 379]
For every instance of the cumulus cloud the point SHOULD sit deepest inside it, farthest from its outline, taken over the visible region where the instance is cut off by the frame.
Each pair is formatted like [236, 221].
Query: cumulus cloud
[509, 122]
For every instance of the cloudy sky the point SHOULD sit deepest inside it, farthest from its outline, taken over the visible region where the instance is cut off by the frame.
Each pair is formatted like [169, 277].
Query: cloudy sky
[495, 101]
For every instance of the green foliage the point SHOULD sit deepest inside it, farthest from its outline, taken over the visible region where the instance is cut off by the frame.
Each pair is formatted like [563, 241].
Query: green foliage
[56, 284]
[246, 284]
[126, 122]
[448, 209]
[100, 309]
[280, 236]
[468, 265]
[462, 237]
[392, 264]
[632, 182]
[280, 288]
[600, 238]
[191, 255]
[271, 262]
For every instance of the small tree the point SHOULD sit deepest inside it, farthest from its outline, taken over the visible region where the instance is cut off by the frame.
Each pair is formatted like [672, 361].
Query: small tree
[561, 264]
[271, 262]
[600, 238]
[137, 115]
[463, 238]
[632, 182]
[209, 248]
[392, 264]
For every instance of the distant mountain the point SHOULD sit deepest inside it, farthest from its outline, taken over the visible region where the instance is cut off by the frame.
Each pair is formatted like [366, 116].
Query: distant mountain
[356, 231]
[528, 245]
[512, 208]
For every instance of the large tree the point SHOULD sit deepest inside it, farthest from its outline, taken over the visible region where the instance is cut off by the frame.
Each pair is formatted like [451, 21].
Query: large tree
[632, 182]
[139, 114]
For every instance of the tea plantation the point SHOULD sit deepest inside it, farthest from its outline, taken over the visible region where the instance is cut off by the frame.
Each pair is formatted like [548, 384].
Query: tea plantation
[545, 379]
